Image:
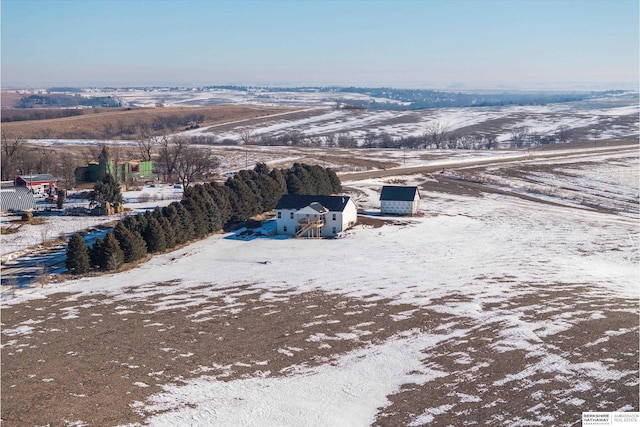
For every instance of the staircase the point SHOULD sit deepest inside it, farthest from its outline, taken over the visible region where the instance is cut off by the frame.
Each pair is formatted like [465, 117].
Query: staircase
[307, 226]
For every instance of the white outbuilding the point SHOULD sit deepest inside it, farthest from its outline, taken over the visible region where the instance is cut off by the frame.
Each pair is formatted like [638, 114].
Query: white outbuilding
[314, 216]
[399, 200]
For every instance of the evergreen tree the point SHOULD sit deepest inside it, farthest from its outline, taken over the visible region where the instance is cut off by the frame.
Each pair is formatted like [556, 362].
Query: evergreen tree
[188, 231]
[132, 244]
[192, 201]
[269, 188]
[131, 223]
[319, 180]
[106, 253]
[250, 178]
[154, 236]
[243, 201]
[336, 185]
[157, 213]
[279, 179]
[113, 254]
[98, 260]
[107, 190]
[220, 197]
[171, 214]
[294, 184]
[169, 233]
[77, 261]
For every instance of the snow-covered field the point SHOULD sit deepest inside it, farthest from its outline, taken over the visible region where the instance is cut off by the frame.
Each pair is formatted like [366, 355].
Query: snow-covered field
[543, 120]
[501, 311]
[613, 117]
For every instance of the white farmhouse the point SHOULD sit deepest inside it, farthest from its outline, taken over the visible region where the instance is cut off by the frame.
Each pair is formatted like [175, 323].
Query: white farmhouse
[399, 200]
[314, 216]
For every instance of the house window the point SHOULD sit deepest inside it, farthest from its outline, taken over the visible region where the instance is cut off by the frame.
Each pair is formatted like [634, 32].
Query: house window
[284, 229]
[291, 215]
[279, 215]
[334, 230]
[334, 217]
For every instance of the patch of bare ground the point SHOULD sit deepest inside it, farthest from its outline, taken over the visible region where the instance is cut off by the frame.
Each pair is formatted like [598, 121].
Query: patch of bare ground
[440, 183]
[90, 358]
[377, 222]
[539, 377]
[97, 358]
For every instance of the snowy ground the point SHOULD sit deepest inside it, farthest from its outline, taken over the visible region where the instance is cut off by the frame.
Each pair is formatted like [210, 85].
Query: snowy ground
[488, 309]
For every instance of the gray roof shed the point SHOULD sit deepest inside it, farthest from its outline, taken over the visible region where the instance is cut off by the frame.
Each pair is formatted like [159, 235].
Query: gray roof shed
[16, 199]
[398, 192]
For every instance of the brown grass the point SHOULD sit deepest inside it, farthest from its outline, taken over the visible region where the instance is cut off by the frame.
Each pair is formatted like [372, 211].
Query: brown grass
[10, 99]
[96, 122]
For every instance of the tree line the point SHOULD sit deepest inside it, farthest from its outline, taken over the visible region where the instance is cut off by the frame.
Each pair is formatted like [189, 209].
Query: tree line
[204, 209]
[435, 136]
[9, 115]
[63, 100]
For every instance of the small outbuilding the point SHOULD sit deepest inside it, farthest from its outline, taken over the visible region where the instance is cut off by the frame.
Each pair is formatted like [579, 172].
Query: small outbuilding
[399, 200]
[15, 198]
[314, 215]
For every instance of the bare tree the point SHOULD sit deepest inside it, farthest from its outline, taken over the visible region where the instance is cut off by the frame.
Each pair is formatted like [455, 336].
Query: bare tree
[146, 143]
[370, 139]
[491, 141]
[519, 136]
[563, 133]
[387, 141]
[246, 136]
[12, 152]
[314, 141]
[66, 169]
[346, 141]
[435, 134]
[194, 163]
[170, 151]
[330, 140]
[453, 140]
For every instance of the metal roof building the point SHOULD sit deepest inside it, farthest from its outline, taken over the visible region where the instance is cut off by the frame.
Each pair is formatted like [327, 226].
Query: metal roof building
[15, 198]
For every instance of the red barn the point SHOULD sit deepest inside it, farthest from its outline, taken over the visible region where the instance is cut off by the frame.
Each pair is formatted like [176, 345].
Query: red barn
[43, 184]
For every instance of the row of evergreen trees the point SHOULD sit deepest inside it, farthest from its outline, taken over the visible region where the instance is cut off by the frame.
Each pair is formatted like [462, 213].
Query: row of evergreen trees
[204, 209]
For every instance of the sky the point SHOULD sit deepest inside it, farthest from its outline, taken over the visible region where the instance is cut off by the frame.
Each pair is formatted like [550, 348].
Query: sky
[481, 44]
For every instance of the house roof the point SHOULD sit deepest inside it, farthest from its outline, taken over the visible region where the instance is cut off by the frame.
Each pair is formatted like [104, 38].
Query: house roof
[42, 177]
[13, 198]
[398, 192]
[298, 201]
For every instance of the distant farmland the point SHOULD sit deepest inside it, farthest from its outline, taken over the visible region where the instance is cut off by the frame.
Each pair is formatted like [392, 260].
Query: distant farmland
[123, 123]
